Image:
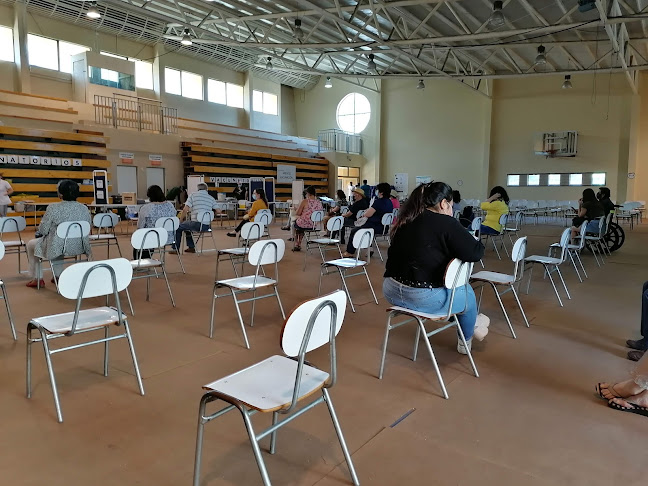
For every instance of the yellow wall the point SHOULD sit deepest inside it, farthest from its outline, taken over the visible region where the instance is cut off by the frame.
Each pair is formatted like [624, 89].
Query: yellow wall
[523, 107]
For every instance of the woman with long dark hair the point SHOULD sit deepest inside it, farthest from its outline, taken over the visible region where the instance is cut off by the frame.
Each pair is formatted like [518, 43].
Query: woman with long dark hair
[495, 206]
[590, 210]
[260, 202]
[425, 239]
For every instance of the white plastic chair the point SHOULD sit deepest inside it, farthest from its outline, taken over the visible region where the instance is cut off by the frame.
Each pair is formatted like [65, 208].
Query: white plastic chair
[105, 224]
[250, 232]
[266, 252]
[361, 240]
[265, 218]
[154, 240]
[316, 218]
[596, 243]
[333, 225]
[170, 224]
[278, 384]
[386, 221]
[67, 230]
[205, 218]
[223, 214]
[77, 282]
[515, 228]
[5, 297]
[552, 264]
[497, 279]
[13, 224]
[574, 251]
[457, 275]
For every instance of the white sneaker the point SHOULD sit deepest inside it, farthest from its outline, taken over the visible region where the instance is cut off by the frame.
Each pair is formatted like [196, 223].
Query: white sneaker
[461, 349]
[481, 327]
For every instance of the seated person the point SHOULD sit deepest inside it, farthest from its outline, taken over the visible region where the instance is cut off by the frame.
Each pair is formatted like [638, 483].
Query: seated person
[307, 207]
[393, 197]
[381, 205]
[425, 240]
[630, 395]
[260, 202]
[589, 212]
[604, 198]
[47, 245]
[149, 213]
[197, 203]
[640, 346]
[495, 206]
[360, 203]
[340, 201]
[465, 211]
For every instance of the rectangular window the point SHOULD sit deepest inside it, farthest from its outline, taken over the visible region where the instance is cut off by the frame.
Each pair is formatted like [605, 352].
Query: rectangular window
[109, 75]
[172, 83]
[533, 180]
[270, 104]
[66, 51]
[109, 54]
[234, 95]
[6, 44]
[257, 100]
[192, 85]
[143, 74]
[554, 180]
[513, 180]
[343, 171]
[575, 179]
[42, 52]
[598, 179]
[216, 92]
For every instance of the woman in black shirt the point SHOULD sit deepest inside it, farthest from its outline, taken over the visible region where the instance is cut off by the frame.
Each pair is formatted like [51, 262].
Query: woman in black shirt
[425, 239]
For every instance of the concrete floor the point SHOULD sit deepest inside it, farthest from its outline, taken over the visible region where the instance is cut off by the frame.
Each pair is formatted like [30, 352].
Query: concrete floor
[531, 418]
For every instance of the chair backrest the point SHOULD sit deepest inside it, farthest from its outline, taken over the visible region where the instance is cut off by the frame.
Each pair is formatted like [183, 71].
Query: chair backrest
[457, 275]
[583, 233]
[264, 211]
[169, 223]
[267, 252]
[517, 255]
[602, 227]
[252, 230]
[457, 214]
[222, 206]
[2, 250]
[205, 217]
[518, 219]
[387, 219]
[11, 224]
[503, 219]
[317, 217]
[264, 218]
[564, 242]
[360, 213]
[149, 238]
[476, 224]
[94, 279]
[344, 209]
[363, 238]
[335, 224]
[72, 229]
[395, 212]
[105, 220]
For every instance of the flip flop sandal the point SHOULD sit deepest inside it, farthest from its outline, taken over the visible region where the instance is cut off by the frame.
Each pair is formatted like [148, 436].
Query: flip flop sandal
[635, 408]
[599, 392]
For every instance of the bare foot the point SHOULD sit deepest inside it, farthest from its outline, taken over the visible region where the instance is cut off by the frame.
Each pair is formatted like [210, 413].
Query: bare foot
[623, 389]
[641, 400]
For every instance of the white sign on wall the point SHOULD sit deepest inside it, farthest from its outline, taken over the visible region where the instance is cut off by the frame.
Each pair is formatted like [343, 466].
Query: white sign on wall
[286, 174]
[401, 182]
[423, 180]
[155, 158]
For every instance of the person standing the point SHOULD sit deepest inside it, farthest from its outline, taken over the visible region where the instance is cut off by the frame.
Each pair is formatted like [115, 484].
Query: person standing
[366, 188]
[5, 191]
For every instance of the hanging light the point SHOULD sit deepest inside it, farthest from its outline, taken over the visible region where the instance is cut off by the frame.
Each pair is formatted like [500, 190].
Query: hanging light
[93, 11]
[420, 85]
[269, 63]
[328, 83]
[371, 65]
[497, 17]
[541, 59]
[186, 38]
[567, 84]
[298, 32]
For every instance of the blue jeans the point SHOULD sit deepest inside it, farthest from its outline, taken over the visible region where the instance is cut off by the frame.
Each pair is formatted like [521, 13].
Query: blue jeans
[435, 301]
[187, 227]
[593, 226]
[487, 230]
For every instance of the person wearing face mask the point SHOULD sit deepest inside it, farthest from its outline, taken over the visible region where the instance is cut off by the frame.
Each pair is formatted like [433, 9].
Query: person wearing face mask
[604, 198]
[260, 202]
[425, 239]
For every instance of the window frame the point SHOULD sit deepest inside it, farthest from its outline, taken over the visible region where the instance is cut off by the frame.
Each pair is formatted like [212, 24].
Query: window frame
[11, 49]
[354, 114]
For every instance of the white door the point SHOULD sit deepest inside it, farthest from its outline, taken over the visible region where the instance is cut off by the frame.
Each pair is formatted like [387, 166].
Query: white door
[126, 179]
[155, 176]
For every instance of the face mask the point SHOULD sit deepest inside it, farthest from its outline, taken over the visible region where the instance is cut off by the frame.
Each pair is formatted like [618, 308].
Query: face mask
[255, 196]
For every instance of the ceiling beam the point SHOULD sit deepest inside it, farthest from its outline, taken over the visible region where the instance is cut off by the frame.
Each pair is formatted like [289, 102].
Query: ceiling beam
[619, 47]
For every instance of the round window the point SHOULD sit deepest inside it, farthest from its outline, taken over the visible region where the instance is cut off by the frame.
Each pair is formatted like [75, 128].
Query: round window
[353, 113]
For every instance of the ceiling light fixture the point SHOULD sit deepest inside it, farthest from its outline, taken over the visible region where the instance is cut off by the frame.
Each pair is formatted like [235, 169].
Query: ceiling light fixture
[497, 17]
[371, 65]
[420, 85]
[186, 38]
[93, 11]
[541, 59]
[328, 83]
[269, 63]
[298, 33]
[567, 84]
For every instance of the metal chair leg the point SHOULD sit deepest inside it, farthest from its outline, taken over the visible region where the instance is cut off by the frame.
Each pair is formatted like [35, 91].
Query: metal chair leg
[499, 299]
[553, 285]
[370, 286]
[517, 299]
[384, 346]
[255, 447]
[131, 347]
[346, 289]
[50, 370]
[238, 312]
[338, 431]
[9, 315]
[563, 281]
[434, 361]
[463, 339]
[106, 335]
[168, 286]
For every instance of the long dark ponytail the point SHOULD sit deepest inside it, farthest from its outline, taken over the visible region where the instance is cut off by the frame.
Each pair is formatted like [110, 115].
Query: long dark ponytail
[424, 196]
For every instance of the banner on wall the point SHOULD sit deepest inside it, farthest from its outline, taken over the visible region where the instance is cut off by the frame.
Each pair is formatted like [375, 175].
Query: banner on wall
[155, 160]
[126, 157]
[100, 180]
[401, 182]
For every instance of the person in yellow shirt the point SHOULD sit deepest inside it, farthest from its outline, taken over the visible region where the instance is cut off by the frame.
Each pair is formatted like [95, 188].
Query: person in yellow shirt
[495, 206]
[260, 202]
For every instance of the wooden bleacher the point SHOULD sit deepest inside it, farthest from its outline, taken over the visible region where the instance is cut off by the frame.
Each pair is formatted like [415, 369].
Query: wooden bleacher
[212, 161]
[61, 155]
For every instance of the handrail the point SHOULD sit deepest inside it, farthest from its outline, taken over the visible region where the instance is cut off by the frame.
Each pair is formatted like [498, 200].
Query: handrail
[133, 112]
[334, 140]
